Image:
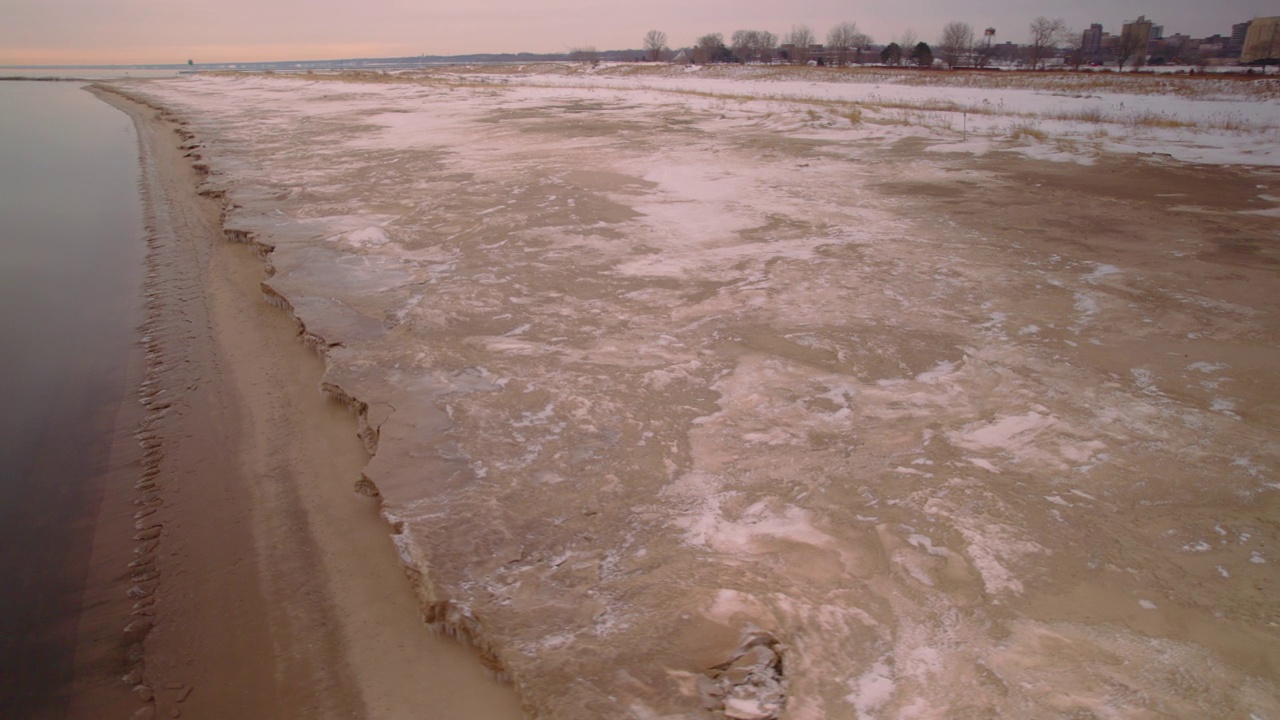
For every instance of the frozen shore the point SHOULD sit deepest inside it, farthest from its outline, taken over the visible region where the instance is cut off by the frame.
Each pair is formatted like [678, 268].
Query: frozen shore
[702, 404]
[257, 584]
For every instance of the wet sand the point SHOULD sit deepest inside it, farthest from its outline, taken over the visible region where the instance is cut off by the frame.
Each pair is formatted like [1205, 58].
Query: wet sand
[258, 582]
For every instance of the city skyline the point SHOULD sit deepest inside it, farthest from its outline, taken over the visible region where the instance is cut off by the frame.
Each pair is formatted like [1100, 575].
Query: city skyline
[149, 31]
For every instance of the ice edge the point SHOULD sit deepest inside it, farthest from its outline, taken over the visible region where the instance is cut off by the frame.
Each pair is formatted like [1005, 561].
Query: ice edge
[441, 616]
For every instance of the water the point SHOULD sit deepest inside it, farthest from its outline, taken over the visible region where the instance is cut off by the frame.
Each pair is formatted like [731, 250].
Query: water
[82, 73]
[71, 250]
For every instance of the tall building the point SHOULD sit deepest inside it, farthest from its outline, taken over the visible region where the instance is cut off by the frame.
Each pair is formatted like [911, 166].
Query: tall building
[1262, 42]
[1141, 28]
[1238, 33]
[1091, 43]
[1138, 34]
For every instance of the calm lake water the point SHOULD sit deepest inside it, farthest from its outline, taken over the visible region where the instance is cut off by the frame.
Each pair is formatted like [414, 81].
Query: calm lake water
[79, 73]
[71, 249]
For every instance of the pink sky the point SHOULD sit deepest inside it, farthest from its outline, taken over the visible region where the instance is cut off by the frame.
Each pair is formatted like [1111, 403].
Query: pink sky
[172, 31]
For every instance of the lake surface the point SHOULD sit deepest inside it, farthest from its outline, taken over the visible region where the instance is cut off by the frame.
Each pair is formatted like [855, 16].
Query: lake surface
[81, 73]
[71, 249]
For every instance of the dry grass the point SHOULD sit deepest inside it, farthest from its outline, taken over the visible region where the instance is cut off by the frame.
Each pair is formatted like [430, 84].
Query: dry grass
[1025, 129]
[1232, 123]
[1069, 84]
[1066, 146]
[1088, 115]
[1072, 84]
[1150, 119]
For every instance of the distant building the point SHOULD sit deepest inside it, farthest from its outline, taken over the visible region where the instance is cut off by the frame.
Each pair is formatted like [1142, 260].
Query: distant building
[1238, 33]
[1262, 42]
[1214, 46]
[1177, 48]
[1006, 52]
[790, 53]
[1138, 32]
[1141, 28]
[815, 53]
[1091, 43]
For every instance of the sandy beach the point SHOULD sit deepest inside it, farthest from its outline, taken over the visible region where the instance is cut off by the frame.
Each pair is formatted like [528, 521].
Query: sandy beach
[260, 584]
[723, 394]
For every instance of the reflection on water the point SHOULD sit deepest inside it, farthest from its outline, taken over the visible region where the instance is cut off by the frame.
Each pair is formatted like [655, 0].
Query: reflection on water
[70, 263]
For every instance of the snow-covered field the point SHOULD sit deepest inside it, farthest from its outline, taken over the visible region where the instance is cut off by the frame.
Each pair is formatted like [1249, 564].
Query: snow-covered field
[1057, 115]
[754, 393]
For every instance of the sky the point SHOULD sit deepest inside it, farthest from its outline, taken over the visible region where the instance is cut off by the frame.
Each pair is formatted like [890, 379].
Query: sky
[67, 32]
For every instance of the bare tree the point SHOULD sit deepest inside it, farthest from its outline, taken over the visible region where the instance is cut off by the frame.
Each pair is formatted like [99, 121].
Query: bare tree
[710, 48]
[906, 43]
[908, 40]
[1073, 50]
[1130, 45]
[844, 38]
[743, 44]
[1046, 36]
[766, 46]
[861, 43]
[754, 45]
[955, 43]
[655, 42]
[800, 38]
[1139, 59]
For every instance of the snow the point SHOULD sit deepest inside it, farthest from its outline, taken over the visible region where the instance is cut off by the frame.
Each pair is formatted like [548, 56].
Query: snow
[872, 691]
[1211, 121]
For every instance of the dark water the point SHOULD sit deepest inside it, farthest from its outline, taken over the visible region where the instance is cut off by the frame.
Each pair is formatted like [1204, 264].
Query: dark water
[81, 73]
[71, 251]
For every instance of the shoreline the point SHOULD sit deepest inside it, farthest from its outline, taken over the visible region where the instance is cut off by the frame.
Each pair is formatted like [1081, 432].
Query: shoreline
[263, 585]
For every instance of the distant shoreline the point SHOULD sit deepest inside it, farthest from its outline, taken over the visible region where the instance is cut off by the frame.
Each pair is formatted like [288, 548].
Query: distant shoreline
[20, 78]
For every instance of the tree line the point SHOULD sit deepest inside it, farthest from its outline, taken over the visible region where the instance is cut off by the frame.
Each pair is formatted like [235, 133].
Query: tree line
[845, 44]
